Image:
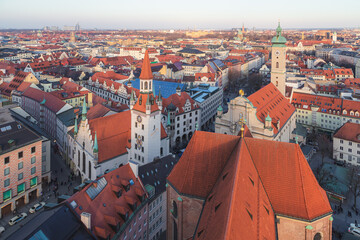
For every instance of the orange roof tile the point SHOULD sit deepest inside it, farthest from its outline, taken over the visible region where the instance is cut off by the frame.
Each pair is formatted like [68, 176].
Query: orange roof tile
[349, 131]
[146, 73]
[269, 100]
[140, 104]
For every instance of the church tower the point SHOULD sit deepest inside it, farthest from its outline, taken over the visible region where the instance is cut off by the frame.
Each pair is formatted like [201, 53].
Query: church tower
[145, 119]
[278, 60]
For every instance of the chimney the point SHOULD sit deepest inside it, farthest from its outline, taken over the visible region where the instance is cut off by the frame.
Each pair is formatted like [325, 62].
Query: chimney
[86, 219]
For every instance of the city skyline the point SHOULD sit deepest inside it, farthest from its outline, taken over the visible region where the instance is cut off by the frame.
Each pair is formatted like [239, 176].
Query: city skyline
[159, 14]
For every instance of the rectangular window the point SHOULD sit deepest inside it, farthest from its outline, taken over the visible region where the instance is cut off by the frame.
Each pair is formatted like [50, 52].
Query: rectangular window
[341, 148]
[20, 165]
[33, 160]
[341, 141]
[33, 170]
[21, 188]
[6, 160]
[142, 126]
[20, 176]
[350, 143]
[7, 182]
[33, 149]
[6, 171]
[33, 181]
[20, 154]
[7, 195]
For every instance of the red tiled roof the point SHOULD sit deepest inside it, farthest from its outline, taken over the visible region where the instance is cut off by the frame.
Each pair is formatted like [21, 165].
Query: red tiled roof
[269, 100]
[104, 208]
[97, 111]
[109, 75]
[349, 131]
[179, 102]
[140, 104]
[247, 181]
[51, 102]
[343, 71]
[113, 138]
[202, 162]
[210, 76]
[294, 191]
[146, 73]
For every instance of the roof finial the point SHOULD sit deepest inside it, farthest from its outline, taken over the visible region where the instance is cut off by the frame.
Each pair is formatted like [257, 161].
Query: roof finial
[76, 126]
[84, 110]
[96, 148]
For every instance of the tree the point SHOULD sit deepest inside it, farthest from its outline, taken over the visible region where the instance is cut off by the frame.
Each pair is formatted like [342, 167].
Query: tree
[324, 146]
[354, 183]
[255, 81]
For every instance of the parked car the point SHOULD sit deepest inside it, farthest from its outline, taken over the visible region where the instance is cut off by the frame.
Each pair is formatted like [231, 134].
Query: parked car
[17, 218]
[2, 229]
[354, 231]
[36, 207]
[355, 225]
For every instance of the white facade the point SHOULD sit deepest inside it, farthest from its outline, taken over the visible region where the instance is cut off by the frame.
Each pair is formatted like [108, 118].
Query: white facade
[348, 151]
[157, 216]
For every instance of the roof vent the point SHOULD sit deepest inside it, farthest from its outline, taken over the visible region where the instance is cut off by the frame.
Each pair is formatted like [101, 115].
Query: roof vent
[131, 182]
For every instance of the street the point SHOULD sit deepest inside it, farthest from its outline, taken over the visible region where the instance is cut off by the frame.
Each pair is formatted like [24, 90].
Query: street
[60, 171]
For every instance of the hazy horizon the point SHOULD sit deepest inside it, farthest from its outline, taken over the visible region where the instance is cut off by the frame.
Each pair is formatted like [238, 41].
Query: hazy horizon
[160, 14]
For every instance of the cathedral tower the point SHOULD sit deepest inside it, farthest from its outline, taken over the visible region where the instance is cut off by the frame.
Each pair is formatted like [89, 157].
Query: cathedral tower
[278, 60]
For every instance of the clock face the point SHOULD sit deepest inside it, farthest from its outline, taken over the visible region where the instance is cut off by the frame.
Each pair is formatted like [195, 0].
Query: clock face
[277, 53]
[139, 119]
[139, 142]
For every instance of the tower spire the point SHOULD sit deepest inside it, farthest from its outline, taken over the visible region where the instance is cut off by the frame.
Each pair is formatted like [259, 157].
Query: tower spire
[76, 126]
[96, 148]
[146, 73]
[84, 110]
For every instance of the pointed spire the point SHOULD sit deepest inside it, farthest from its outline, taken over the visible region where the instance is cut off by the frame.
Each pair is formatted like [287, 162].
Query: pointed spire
[278, 30]
[148, 99]
[96, 148]
[132, 95]
[168, 120]
[146, 73]
[159, 95]
[84, 110]
[76, 130]
[196, 126]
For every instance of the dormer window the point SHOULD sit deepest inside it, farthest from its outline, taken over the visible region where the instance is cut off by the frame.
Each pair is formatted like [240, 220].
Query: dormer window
[344, 112]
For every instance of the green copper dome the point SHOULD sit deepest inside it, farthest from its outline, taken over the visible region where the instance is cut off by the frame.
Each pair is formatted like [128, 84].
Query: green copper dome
[268, 118]
[278, 39]
[220, 108]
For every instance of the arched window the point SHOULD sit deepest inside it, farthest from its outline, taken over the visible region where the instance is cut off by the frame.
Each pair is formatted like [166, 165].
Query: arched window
[146, 86]
[89, 170]
[84, 164]
[317, 236]
[150, 85]
[277, 64]
[78, 158]
[277, 83]
[174, 205]
[344, 112]
[351, 113]
[142, 84]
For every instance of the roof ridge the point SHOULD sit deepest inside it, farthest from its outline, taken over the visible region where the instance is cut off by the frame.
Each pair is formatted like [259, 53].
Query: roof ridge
[302, 181]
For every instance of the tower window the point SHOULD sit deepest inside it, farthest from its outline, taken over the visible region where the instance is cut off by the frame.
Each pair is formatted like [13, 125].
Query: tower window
[277, 83]
[277, 64]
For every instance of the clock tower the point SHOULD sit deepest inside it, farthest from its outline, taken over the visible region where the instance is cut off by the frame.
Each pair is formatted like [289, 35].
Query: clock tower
[145, 119]
[278, 61]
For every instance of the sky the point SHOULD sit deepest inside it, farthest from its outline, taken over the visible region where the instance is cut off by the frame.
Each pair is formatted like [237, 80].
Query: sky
[183, 14]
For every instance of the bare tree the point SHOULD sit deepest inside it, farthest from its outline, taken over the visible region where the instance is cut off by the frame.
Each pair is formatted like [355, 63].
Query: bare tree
[255, 81]
[355, 183]
[324, 145]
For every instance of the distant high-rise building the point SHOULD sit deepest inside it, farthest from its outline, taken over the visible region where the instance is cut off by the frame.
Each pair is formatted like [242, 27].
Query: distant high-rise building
[77, 27]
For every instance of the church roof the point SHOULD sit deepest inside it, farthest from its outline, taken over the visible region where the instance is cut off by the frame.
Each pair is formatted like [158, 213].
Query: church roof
[244, 187]
[113, 138]
[269, 101]
[146, 73]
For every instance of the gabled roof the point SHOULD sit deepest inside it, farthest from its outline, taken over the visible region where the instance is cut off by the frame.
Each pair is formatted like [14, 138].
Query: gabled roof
[349, 131]
[247, 181]
[201, 163]
[143, 99]
[269, 100]
[113, 137]
[97, 111]
[51, 102]
[178, 102]
[106, 208]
